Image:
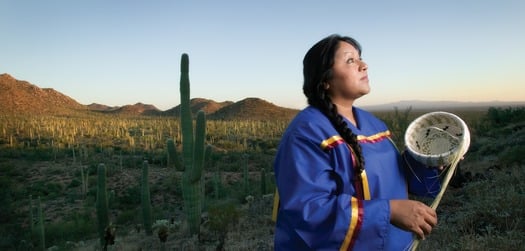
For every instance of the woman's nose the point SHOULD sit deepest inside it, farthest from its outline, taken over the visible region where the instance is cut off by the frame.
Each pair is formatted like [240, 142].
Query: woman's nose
[362, 65]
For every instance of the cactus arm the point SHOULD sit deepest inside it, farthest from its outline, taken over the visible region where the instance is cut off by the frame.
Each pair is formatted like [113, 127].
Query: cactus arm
[173, 158]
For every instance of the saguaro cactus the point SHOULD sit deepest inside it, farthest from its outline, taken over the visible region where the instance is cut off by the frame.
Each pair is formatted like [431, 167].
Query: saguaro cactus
[263, 181]
[145, 199]
[102, 203]
[84, 178]
[41, 229]
[192, 152]
[31, 217]
[216, 183]
[245, 174]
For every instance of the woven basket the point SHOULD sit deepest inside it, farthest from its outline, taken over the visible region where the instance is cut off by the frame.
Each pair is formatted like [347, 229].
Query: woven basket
[437, 138]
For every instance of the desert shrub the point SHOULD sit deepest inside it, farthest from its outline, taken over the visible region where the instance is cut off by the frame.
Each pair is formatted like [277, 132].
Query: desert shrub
[74, 183]
[498, 118]
[512, 155]
[92, 190]
[130, 198]
[128, 216]
[222, 215]
[46, 189]
[237, 190]
[6, 199]
[11, 236]
[483, 215]
[502, 116]
[74, 228]
[397, 123]
[213, 190]
[9, 170]
[156, 157]
[54, 189]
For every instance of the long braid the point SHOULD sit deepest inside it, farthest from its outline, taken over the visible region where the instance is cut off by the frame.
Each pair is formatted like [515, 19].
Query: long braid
[330, 110]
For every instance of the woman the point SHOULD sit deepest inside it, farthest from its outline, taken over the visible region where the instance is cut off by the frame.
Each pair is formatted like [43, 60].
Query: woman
[342, 183]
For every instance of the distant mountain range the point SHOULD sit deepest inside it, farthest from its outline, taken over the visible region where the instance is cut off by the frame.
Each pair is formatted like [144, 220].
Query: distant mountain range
[430, 105]
[18, 97]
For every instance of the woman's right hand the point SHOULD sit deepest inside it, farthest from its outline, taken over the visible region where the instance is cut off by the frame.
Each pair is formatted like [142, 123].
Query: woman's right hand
[413, 216]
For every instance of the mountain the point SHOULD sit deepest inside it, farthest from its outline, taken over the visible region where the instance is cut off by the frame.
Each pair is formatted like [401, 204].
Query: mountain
[21, 97]
[101, 107]
[135, 110]
[253, 109]
[196, 104]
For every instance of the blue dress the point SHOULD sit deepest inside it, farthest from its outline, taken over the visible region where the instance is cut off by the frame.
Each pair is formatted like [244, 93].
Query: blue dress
[324, 205]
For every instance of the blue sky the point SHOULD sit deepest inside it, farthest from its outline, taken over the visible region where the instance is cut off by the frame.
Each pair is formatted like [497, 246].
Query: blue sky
[123, 51]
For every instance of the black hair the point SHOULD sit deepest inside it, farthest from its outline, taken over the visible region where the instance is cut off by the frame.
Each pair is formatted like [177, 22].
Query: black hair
[317, 71]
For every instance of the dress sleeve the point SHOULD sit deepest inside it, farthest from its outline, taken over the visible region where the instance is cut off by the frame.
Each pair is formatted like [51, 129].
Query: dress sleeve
[422, 180]
[317, 205]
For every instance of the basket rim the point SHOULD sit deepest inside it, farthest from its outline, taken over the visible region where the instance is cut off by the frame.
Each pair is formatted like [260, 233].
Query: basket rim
[411, 129]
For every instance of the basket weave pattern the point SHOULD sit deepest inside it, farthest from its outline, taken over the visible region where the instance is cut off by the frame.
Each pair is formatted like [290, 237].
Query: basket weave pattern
[436, 138]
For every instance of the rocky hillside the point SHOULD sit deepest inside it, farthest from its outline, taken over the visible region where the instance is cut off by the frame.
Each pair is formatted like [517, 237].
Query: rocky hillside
[136, 109]
[196, 104]
[253, 109]
[22, 97]
[101, 107]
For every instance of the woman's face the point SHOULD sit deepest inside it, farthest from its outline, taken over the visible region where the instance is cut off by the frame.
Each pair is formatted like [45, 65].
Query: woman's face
[350, 75]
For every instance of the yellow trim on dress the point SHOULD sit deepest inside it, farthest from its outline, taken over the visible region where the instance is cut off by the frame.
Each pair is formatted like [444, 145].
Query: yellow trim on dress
[353, 223]
[366, 188]
[275, 205]
[329, 141]
[374, 137]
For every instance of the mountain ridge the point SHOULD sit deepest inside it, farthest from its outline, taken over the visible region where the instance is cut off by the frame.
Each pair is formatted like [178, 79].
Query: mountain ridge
[24, 98]
[442, 104]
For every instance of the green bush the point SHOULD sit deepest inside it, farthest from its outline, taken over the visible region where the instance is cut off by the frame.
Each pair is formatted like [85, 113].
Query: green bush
[128, 216]
[222, 216]
[484, 215]
[77, 227]
[74, 183]
[512, 155]
[130, 198]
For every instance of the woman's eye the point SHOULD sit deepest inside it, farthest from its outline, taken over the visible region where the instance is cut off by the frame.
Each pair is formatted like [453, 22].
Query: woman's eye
[350, 60]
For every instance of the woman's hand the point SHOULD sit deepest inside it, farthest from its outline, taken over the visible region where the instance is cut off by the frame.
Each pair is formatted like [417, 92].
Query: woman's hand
[413, 216]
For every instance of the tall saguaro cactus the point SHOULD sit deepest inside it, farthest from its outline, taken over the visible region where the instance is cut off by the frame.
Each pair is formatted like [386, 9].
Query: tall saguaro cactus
[192, 152]
[102, 203]
[146, 199]
[31, 218]
[41, 229]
